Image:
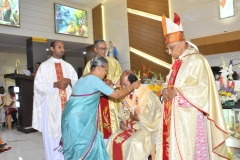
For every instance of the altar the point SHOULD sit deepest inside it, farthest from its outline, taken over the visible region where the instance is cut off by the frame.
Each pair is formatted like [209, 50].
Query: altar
[237, 84]
[25, 99]
[232, 119]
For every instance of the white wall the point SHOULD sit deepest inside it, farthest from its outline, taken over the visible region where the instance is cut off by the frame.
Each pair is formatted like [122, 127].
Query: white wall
[116, 29]
[215, 60]
[201, 18]
[76, 62]
[9, 60]
[37, 20]
[8, 65]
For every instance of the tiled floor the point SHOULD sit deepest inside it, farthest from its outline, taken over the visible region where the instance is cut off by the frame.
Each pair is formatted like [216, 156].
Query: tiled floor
[24, 146]
[28, 146]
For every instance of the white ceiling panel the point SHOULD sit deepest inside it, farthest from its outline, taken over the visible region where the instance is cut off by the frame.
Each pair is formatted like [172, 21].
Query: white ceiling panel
[86, 3]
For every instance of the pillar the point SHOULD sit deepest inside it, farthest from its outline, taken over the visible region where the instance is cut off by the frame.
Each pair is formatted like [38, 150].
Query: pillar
[36, 52]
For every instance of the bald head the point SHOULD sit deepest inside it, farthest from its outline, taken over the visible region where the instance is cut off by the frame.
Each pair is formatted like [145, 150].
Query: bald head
[127, 78]
[125, 75]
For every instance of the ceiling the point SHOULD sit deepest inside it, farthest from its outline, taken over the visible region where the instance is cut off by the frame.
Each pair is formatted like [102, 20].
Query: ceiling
[194, 14]
[17, 44]
[87, 3]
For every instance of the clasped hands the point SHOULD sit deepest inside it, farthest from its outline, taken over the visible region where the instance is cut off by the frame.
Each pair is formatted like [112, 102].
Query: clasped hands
[169, 94]
[123, 126]
[63, 83]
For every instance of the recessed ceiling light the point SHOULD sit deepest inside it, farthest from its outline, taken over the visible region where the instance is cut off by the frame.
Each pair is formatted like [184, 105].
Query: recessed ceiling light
[84, 52]
[47, 49]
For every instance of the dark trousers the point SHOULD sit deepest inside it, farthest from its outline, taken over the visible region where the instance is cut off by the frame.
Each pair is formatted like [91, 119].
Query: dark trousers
[14, 117]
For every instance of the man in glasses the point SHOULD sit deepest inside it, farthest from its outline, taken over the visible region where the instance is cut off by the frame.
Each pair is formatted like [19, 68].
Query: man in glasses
[108, 112]
[193, 125]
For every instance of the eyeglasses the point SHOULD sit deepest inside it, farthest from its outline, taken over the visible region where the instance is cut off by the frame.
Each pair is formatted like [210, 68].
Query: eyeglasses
[102, 49]
[105, 68]
[171, 47]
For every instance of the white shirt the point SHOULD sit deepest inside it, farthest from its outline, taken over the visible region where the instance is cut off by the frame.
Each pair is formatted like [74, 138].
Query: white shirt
[110, 52]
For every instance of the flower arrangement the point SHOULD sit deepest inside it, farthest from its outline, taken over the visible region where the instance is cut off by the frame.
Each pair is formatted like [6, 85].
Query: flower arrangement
[227, 92]
[226, 73]
[154, 82]
[146, 74]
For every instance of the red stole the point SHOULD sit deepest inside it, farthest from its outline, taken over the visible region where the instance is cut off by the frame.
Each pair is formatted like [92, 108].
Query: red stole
[121, 138]
[168, 109]
[104, 117]
[62, 92]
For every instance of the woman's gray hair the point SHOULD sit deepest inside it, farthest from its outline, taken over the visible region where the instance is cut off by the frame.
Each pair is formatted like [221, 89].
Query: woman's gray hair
[98, 61]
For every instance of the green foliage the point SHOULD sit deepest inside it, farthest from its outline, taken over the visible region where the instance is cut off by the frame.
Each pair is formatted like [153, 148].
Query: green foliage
[58, 7]
[79, 15]
[138, 75]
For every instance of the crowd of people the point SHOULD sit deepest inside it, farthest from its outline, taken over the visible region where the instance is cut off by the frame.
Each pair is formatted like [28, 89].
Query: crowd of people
[109, 114]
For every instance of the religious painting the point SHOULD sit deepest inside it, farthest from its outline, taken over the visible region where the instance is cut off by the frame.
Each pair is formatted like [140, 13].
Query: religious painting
[9, 13]
[226, 8]
[232, 118]
[71, 21]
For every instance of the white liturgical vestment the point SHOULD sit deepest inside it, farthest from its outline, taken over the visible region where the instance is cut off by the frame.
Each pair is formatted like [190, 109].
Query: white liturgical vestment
[45, 94]
[47, 105]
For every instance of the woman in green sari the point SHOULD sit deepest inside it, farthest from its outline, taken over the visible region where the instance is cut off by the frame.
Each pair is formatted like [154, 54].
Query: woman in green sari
[80, 134]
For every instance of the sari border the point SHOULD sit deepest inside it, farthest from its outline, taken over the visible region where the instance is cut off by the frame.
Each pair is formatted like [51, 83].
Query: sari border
[93, 137]
[83, 95]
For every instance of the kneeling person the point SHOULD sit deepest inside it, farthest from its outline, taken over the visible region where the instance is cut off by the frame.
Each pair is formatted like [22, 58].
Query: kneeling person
[139, 121]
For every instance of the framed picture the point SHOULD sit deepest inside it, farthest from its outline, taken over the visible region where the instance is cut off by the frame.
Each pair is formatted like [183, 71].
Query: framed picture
[9, 13]
[226, 8]
[70, 21]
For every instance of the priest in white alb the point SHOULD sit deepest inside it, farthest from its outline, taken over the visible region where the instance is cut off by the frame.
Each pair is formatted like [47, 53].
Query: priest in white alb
[52, 87]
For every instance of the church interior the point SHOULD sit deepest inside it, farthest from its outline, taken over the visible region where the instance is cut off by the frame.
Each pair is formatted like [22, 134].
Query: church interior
[134, 27]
